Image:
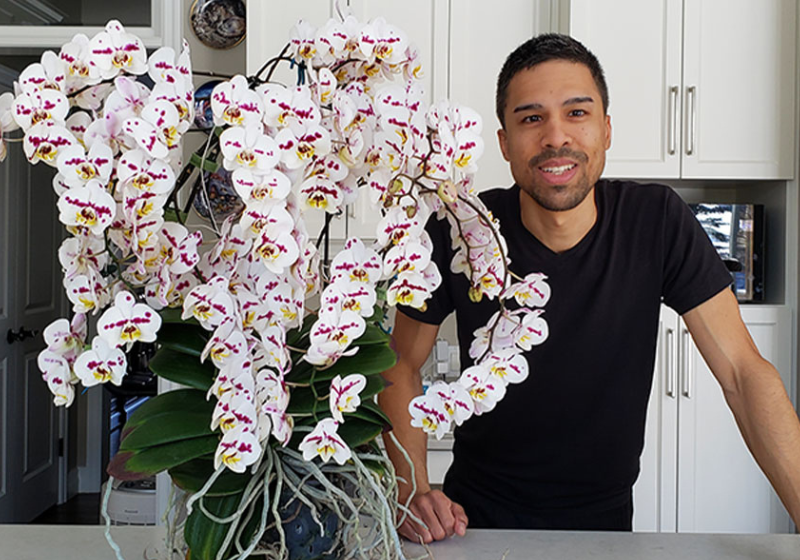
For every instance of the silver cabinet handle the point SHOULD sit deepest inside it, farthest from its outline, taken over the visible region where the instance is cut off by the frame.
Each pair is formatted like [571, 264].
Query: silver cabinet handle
[686, 363]
[691, 94]
[673, 116]
[669, 363]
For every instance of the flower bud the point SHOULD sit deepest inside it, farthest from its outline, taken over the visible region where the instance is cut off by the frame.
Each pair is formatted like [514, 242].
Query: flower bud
[396, 186]
[411, 211]
[447, 191]
[475, 294]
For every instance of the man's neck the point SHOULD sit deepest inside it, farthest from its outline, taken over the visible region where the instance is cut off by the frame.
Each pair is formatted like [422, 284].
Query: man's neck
[558, 231]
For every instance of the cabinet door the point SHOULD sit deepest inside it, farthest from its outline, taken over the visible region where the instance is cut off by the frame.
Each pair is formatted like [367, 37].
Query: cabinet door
[654, 494]
[639, 47]
[739, 89]
[721, 488]
[482, 35]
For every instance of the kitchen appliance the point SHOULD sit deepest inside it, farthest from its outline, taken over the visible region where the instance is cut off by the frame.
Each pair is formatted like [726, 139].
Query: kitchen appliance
[738, 234]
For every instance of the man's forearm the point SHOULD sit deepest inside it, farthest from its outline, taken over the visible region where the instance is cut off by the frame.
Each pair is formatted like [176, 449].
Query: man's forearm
[405, 384]
[770, 427]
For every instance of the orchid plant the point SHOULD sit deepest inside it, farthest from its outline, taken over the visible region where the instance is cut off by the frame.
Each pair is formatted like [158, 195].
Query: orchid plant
[278, 386]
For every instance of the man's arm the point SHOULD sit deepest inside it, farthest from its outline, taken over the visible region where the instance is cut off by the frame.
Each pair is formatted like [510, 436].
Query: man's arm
[413, 341]
[754, 391]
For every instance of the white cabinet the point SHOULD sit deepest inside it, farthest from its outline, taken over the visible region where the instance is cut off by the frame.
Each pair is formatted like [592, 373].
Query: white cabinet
[699, 89]
[697, 474]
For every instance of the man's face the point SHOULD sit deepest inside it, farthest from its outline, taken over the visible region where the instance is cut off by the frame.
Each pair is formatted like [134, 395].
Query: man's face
[556, 133]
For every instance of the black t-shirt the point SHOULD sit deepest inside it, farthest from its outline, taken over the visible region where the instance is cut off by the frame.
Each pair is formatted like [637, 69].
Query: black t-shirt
[570, 436]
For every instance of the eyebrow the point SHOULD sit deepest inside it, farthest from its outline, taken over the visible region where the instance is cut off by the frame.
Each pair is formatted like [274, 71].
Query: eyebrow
[539, 106]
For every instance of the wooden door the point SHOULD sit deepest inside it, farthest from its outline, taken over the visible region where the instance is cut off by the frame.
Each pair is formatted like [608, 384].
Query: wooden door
[639, 47]
[30, 297]
[739, 89]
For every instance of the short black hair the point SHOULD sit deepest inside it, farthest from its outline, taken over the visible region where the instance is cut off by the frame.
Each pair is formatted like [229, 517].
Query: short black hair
[541, 48]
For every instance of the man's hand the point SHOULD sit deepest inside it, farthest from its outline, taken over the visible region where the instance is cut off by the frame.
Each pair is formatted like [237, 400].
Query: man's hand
[443, 517]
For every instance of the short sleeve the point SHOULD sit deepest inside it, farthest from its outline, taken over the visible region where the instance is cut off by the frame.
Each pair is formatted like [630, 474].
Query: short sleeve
[693, 270]
[440, 304]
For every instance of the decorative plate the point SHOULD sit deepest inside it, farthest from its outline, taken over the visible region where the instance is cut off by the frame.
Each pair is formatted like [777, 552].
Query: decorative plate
[221, 196]
[219, 24]
[203, 117]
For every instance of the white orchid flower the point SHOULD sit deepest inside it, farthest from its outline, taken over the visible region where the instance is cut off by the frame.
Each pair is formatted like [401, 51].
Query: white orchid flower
[45, 106]
[340, 327]
[276, 248]
[87, 293]
[44, 142]
[180, 93]
[330, 41]
[271, 186]
[209, 303]
[345, 294]
[282, 426]
[533, 291]
[302, 40]
[136, 169]
[325, 86]
[507, 365]
[410, 289]
[281, 302]
[237, 412]
[163, 67]
[224, 256]
[532, 330]
[344, 395]
[484, 388]
[272, 392]
[383, 43]
[159, 294]
[101, 364]
[114, 51]
[235, 104]
[357, 262]
[88, 206]
[77, 58]
[62, 389]
[66, 338]
[127, 322]
[289, 107]
[128, 98]
[325, 442]
[248, 148]
[456, 400]
[159, 130]
[272, 352]
[77, 167]
[235, 377]
[46, 74]
[497, 334]
[299, 146]
[321, 189]
[53, 363]
[397, 226]
[179, 248]
[411, 256]
[237, 450]
[429, 413]
[108, 130]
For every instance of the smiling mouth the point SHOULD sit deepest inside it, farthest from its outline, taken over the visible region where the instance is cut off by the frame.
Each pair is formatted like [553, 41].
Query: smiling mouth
[559, 170]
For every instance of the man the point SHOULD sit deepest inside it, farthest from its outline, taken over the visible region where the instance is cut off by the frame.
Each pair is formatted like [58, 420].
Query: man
[561, 450]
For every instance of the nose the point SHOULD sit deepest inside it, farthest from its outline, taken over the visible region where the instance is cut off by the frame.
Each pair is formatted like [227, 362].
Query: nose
[556, 133]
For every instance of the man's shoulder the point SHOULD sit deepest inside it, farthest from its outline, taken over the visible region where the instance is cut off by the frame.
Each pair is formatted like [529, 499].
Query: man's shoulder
[497, 197]
[617, 193]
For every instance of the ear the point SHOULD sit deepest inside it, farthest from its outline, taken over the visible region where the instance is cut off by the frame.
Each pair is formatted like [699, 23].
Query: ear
[503, 141]
[608, 132]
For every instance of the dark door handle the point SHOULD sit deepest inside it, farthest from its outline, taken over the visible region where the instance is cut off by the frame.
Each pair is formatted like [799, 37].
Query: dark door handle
[23, 333]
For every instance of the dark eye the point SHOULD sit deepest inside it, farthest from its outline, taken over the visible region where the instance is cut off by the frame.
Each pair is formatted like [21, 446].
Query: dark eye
[531, 118]
[577, 113]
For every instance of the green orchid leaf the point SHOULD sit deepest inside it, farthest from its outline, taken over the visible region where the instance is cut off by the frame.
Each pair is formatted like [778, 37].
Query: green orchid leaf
[369, 360]
[205, 164]
[165, 404]
[301, 371]
[180, 368]
[204, 536]
[375, 384]
[370, 412]
[136, 465]
[295, 336]
[302, 399]
[372, 335]
[193, 475]
[166, 428]
[183, 337]
[375, 466]
[357, 432]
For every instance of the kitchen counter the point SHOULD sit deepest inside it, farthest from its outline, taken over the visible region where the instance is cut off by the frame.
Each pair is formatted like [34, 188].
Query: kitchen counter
[78, 542]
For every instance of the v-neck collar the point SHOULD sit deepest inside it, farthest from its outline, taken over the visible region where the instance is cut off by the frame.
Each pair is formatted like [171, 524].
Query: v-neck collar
[546, 251]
